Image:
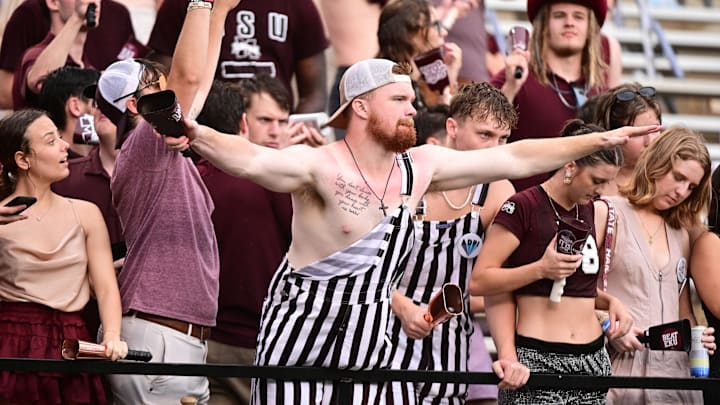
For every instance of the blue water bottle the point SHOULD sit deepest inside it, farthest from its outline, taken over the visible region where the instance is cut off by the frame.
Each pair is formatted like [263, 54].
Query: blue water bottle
[699, 360]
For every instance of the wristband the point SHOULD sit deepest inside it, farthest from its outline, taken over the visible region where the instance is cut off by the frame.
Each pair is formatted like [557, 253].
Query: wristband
[197, 4]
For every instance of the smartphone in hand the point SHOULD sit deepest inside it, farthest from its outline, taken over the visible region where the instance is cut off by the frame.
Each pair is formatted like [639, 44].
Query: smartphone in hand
[315, 120]
[21, 200]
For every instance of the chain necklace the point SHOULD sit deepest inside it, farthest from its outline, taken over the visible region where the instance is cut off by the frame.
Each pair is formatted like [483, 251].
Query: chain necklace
[579, 94]
[383, 207]
[47, 211]
[650, 236]
[552, 205]
[458, 207]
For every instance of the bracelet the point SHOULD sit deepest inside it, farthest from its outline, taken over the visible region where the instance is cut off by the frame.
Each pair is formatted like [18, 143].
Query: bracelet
[199, 4]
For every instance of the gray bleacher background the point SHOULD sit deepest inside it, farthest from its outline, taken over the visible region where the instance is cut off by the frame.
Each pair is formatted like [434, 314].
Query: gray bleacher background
[674, 47]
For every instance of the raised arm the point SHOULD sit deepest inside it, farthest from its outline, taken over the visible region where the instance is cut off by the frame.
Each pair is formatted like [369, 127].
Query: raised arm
[217, 31]
[56, 53]
[453, 169]
[187, 68]
[310, 76]
[285, 170]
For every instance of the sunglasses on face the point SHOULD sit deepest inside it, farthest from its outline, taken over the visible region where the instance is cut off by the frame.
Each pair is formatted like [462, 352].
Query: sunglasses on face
[141, 88]
[628, 95]
[438, 25]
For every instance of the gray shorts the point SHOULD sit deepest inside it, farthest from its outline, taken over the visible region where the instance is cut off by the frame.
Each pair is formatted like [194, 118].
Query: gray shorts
[559, 358]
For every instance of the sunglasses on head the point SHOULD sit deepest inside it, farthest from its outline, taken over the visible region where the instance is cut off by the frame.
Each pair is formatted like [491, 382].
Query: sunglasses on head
[627, 95]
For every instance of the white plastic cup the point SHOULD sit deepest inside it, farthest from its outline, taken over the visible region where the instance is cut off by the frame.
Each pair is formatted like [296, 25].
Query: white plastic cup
[699, 359]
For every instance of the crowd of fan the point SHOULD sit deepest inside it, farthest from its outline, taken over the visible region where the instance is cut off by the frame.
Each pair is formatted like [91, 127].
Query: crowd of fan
[260, 237]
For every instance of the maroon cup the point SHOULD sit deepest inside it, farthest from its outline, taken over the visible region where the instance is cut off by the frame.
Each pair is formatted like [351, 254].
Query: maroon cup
[433, 69]
[571, 236]
[518, 38]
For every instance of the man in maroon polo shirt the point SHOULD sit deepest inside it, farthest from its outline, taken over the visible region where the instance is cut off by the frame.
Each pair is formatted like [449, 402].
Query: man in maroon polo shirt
[279, 37]
[113, 39]
[555, 82]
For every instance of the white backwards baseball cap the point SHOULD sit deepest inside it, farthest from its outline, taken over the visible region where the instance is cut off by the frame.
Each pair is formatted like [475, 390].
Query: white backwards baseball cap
[360, 78]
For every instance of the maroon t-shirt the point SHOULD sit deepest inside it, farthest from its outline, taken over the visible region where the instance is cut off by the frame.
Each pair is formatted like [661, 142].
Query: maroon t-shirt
[268, 36]
[113, 39]
[22, 96]
[542, 113]
[89, 181]
[529, 216]
[252, 226]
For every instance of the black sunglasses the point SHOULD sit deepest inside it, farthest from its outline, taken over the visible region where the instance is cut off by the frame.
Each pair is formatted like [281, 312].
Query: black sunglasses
[627, 95]
[139, 89]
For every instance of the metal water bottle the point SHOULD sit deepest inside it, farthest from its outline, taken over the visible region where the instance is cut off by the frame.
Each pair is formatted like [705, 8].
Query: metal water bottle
[699, 360]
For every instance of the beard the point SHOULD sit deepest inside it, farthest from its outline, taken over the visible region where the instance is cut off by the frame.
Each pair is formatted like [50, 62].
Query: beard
[567, 50]
[399, 139]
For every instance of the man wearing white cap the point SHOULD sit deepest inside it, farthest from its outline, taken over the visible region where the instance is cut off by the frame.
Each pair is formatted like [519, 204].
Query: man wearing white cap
[329, 302]
[169, 281]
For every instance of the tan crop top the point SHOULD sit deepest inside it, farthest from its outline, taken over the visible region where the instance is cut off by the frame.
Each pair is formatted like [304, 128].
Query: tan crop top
[45, 262]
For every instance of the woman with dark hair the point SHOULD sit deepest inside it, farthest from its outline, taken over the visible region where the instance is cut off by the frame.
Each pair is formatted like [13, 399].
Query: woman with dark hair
[634, 105]
[49, 266]
[666, 195]
[519, 266]
[409, 28]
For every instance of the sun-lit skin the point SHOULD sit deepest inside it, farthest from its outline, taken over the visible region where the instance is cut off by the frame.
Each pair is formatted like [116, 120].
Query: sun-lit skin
[568, 28]
[48, 151]
[677, 185]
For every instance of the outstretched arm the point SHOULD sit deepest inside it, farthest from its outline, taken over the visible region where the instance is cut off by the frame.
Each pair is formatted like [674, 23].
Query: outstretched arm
[284, 170]
[453, 169]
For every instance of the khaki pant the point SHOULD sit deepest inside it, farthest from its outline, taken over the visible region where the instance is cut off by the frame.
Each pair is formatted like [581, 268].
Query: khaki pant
[229, 391]
[167, 346]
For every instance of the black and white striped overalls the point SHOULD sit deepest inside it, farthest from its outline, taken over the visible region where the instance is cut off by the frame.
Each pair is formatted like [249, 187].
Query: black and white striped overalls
[334, 312]
[436, 259]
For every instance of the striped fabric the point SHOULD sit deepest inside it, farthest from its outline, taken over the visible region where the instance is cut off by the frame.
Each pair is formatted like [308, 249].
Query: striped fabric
[434, 261]
[334, 312]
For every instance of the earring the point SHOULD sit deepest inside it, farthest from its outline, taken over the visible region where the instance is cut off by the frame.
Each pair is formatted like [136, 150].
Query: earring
[568, 177]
